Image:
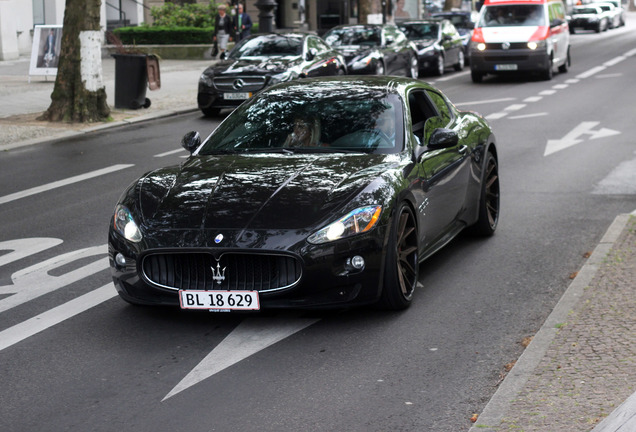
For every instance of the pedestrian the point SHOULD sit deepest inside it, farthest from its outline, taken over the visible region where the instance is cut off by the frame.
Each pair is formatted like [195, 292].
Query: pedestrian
[222, 28]
[242, 24]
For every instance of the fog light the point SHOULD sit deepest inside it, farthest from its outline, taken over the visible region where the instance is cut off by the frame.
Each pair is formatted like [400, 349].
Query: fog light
[120, 260]
[357, 262]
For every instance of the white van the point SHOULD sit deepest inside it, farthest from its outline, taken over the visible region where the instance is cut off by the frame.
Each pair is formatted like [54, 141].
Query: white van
[514, 36]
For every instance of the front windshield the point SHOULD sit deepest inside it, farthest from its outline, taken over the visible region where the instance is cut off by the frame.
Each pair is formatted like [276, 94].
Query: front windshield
[321, 118]
[420, 31]
[268, 46]
[354, 36]
[513, 15]
[585, 11]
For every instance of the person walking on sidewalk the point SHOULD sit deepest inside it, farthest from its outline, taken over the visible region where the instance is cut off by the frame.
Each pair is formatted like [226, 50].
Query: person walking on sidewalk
[222, 29]
[242, 24]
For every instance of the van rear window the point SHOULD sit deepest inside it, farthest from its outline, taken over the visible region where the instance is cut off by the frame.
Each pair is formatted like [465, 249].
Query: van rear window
[513, 15]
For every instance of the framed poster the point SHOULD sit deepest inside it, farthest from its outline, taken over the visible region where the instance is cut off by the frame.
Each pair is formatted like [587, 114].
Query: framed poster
[47, 40]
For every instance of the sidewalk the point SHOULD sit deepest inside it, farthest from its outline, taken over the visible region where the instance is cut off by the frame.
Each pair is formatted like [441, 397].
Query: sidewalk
[21, 102]
[577, 374]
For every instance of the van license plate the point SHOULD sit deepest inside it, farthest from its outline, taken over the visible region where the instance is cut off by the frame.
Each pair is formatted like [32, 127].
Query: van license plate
[506, 67]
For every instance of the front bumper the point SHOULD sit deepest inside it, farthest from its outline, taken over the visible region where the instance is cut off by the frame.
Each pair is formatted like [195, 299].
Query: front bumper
[497, 60]
[326, 281]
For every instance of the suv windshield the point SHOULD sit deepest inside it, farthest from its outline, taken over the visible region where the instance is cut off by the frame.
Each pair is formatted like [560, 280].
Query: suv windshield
[513, 15]
[354, 36]
[268, 46]
[312, 119]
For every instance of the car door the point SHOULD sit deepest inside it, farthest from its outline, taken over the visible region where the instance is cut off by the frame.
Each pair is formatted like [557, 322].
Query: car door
[443, 173]
[451, 41]
[391, 50]
[559, 31]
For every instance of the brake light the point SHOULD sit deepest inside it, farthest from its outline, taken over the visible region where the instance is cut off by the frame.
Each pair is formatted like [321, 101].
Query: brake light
[478, 35]
[542, 33]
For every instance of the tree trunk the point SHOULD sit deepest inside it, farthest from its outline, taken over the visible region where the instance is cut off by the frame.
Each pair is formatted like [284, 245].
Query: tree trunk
[79, 94]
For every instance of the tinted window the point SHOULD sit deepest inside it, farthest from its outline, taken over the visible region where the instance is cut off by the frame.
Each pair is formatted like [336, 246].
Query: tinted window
[353, 36]
[415, 31]
[268, 46]
[441, 105]
[331, 119]
[513, 15]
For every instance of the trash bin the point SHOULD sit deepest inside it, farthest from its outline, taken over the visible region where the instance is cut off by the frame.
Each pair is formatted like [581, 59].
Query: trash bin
[131, 80]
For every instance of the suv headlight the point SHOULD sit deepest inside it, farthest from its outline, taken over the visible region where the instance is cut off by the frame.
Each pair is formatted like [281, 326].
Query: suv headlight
[355, 222]
[206, 80]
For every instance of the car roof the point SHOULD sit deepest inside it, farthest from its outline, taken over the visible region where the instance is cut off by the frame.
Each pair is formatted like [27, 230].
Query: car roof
[358, 84]
[500, 2]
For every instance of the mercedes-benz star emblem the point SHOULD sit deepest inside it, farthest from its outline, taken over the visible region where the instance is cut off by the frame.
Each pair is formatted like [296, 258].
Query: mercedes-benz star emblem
[505, 45]
[238, 84]
[218, 239]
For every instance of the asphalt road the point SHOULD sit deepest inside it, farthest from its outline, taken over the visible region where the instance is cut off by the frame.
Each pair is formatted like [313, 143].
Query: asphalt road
[75, 357]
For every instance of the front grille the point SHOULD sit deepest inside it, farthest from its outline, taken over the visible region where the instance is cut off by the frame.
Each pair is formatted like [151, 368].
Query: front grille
[491, 58]
[239, 83]
[235, 271]
[513, 45]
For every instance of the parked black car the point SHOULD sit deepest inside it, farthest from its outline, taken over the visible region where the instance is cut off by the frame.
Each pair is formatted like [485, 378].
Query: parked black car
[375, 49]
[439, 44]
[314, 193]
[260, 61]
[462, 20]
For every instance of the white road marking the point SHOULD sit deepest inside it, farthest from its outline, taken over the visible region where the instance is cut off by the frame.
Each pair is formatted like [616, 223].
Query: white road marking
[560, 86]
[547, 92]
[248, 338]
[36, 281]
[533, 99]
[41, 322]
[591, 72]
[575, 137]
[25, 247]
[515, 107]
[605, 76]
[496, 116]
[452, 76]
[621, 181]
[169, 153]
[481, 102]
[614, 61]
[60, 183]
[572, 81]
[525, 116]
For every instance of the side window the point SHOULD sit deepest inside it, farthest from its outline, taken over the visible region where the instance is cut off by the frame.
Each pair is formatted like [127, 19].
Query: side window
[551, 14]
[558, 11]
[321, 45]
[421, 110]
[441, 105]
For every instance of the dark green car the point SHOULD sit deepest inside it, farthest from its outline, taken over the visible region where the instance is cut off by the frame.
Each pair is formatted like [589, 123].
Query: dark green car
[316, 193]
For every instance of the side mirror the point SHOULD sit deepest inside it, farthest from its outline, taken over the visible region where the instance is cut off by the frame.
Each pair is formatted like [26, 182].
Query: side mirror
[191, 141]
[311, 54]
[223, 55]
[443, 138]
[556, 22]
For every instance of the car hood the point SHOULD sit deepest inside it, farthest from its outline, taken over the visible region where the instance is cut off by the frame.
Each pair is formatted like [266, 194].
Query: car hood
[355, 51]
[253, 65]
[257, 191]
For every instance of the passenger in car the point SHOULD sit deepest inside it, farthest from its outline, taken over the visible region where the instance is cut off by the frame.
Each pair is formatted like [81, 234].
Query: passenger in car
[305, 133]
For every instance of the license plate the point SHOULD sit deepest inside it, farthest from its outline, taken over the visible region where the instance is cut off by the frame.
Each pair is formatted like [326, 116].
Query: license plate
[219, 300]
[236, 96]
[506, 67]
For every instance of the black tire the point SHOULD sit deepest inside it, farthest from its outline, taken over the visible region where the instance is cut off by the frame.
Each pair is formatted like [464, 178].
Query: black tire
[549, 72]
[438, 69]
[402, 261]
[413, 69]
[211, 112]
[488, 200]
[566, 66]
[379, 68]
[147, 103]
[598, 28]
[460, 62]
[477, 77]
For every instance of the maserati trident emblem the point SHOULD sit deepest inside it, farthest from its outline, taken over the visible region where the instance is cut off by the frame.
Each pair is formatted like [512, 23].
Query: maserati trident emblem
[505, 45]
[218, 275]
[218, 239]
[238, 84]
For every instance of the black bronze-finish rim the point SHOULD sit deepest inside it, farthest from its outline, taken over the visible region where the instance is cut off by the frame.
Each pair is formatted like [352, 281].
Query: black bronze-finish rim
[407, 261]
[492, 192]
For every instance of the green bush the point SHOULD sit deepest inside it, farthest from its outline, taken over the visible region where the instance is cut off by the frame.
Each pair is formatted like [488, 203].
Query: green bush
[189, 15]
[146, 35]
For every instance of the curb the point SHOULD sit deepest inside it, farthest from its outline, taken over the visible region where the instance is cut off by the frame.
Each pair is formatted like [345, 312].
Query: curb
[492, 415]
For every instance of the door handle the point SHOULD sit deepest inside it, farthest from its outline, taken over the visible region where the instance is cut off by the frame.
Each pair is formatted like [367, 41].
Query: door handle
[462, 149]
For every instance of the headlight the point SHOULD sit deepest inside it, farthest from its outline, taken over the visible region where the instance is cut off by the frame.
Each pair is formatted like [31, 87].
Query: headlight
[537, 44]
[358, 221]
[281, 77]
[205, 79]
[361, 63]
[125, 225]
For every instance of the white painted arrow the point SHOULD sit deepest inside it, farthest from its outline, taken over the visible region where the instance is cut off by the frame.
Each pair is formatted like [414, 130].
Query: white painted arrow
[575, 137]
[250, 337]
